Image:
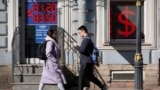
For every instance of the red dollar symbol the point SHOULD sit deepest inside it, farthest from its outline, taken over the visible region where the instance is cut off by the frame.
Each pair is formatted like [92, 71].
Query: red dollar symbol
[126, 22]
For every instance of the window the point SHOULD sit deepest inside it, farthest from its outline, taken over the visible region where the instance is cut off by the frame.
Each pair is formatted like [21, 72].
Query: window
[116, 23]
[123, 16]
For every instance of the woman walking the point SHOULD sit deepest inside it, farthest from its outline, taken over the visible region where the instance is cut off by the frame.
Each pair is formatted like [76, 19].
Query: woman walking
[52, 73]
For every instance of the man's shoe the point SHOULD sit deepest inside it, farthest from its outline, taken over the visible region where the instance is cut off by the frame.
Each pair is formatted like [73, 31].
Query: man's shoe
[85, 88]
[104, 87]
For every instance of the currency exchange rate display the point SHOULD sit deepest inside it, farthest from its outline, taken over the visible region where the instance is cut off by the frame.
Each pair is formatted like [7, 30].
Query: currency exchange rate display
[42, 13]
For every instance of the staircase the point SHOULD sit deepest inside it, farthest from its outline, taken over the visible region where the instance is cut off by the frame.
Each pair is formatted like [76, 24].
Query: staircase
[27, 76]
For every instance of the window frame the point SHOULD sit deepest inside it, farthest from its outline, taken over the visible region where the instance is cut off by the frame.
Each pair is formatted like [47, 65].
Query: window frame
[150, 31]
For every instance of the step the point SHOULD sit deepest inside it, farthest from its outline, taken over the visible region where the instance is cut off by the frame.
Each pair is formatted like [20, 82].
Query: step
[27, 78]
[72, 81]
[28, 68]
[32, 68]
[32, 86]
[32, 73]
[35, 85]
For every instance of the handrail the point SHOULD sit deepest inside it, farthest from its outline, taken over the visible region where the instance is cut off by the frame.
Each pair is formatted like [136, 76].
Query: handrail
[71, 55]
[15, 46]
[68, 39]
[15, 49]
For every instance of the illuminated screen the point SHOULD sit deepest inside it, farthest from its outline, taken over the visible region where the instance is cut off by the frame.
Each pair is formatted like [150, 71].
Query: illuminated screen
[41, 13]
[123, 17]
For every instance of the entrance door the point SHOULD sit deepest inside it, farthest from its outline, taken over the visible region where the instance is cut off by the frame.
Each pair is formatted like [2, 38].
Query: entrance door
[37, 16]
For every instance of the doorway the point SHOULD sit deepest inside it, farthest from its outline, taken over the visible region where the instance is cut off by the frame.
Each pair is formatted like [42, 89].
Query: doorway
[35, 18]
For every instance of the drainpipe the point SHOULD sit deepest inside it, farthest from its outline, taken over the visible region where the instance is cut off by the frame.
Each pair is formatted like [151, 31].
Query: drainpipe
[81, 21]
[81, 15]
[81, 18]
[82, 12]
[60, 28]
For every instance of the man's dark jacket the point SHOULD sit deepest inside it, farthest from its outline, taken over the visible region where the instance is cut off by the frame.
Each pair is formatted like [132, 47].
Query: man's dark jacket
[85, 49]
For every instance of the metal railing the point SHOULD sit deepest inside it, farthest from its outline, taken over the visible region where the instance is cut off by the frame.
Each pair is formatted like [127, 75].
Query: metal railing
[70, 56]
[16, 46]
[69, 50]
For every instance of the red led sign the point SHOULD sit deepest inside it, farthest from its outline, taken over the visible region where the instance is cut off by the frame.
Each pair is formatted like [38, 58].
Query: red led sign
[42, 13]
[129, 27]
[123, 20]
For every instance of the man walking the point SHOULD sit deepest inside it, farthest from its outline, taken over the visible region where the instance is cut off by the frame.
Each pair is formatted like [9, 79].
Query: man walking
[86, 63]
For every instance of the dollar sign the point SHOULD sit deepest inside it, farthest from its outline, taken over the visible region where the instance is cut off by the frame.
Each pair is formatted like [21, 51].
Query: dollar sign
[126, 22]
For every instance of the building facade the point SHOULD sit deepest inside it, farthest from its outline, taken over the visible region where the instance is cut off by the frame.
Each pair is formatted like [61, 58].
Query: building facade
[111, 24]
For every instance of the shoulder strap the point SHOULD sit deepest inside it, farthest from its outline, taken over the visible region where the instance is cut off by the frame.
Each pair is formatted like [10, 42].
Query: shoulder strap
[55, 47]
[91, 40]
[92, 43]
[87, 37]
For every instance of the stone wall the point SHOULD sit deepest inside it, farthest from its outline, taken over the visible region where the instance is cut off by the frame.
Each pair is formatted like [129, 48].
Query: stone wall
[5, 77]
[151, 76]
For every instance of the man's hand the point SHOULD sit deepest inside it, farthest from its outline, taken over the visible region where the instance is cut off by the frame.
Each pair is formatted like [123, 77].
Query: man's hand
[75, 44]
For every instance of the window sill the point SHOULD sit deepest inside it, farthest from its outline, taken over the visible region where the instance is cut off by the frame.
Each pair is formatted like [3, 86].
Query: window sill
[124, 43]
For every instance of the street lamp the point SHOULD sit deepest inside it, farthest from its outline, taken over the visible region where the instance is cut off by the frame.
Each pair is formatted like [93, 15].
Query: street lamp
[138, 76]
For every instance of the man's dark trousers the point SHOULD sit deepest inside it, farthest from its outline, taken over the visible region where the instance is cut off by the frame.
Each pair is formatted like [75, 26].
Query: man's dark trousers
[86, 73]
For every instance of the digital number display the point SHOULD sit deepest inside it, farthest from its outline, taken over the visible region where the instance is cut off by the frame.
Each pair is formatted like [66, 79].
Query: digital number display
[41, 13]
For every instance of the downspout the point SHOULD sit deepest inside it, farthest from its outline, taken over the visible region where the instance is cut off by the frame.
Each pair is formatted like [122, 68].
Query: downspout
[81, 15]
[82, 12]
[60, 30]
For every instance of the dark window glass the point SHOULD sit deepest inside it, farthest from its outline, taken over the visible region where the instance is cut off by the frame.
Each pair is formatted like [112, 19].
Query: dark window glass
[123, 16]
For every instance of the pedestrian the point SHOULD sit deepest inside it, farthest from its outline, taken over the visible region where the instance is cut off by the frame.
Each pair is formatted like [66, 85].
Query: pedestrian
[86, 63]
[52, 73]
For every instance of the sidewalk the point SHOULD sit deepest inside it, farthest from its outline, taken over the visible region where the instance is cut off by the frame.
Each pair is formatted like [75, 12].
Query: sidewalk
[127, 88]
[132, 89]
[120, 89]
